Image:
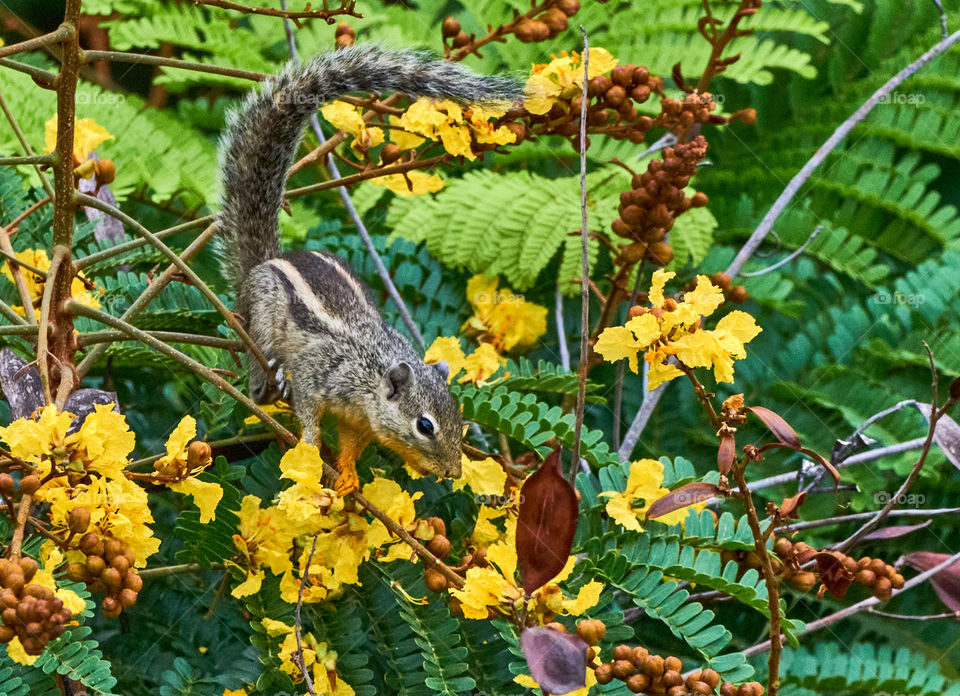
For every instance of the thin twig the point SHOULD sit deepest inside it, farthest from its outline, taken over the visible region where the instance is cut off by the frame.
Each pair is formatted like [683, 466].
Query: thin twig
[44, 78]
[88, 339]
[584, 265]
[61, 33]
[908, 617]
[855, 517]
[184, 268]
[151, 291]
[133, 244]
[298, 627]
[143, 59]
[42, 331]
[325, 14]
[14, 265]
[45, 160]
[766, 225]
[11, 228]
[164, 571]
[787, 259]
[561, 332]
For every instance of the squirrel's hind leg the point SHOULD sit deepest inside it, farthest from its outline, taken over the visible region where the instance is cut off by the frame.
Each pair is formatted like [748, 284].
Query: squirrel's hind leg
[268, 387]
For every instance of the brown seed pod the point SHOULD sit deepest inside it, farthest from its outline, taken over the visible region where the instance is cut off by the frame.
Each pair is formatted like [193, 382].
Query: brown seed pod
[728, 689]
[7, 484]
[865, 577]
[804, 581]
[569, 7]
[121, 564]
[671, 677]
[439, 526]
[638, 655]
[883, 589]
[672, 664]
[591, 631]
[112, 548]
[653, 666]
[435, 580]
[701, 688]
[738, 294]
[604, 673]
[784, 550]
[28, 567]
[711, 677]
[638, 683]
[450, 28]
[692, 679]
[461, 40]
[29, 484]
[677, 691]
[897, 581]
[878, 566]
[622, 652]
[95, 566]
[661, 253]
[623, 669]
[198, 454]
[390, 153]
[111, 607]
[106, 171]
[6, 634]
[88, 542]
[78, 520]
[623, 75]
[556, 19]
[615, 95]
[112, 579]
[439, 546]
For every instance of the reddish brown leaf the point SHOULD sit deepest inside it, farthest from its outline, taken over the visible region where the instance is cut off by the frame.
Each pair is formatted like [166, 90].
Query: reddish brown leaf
[832, 574]
[895, 531]
[685, 495]
[546, 525]
[777, 425]
[727, 453]
[789, 506]
[831, 469]
[946, 434]
[557, 660]
[946, 583]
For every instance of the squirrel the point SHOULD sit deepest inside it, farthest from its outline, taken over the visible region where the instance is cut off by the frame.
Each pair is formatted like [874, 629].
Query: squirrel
[311, 316]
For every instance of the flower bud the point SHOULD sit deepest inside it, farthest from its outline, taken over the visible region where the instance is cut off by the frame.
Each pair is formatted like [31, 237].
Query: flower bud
[450, 28]
[435, 580]
[29, 484]
[7, 485]
[198, 454]
[390, 153]
[78, 520]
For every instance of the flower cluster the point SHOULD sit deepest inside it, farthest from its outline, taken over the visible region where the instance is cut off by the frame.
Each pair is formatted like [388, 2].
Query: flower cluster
[83, 291]
[644, 486]
[562, 78]
[87, 135]
[502, 321]
[670, 328]
[318, 658]
[271, 537]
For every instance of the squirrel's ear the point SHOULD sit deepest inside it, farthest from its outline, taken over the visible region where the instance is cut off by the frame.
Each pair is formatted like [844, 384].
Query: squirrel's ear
[398, 378]
[443, 368]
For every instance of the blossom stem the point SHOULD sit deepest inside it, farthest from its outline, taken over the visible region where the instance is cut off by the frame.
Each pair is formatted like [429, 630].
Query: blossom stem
[298, 627]
[23, 512]
[770, 579]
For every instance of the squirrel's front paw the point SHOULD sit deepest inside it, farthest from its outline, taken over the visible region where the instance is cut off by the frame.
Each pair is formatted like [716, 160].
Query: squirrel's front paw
[346, 483]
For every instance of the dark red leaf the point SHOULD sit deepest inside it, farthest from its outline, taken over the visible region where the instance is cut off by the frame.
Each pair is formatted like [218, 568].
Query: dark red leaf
[946, 583]
[546, 525]
[685, 495]
[777, 425]
[895, 531]
[727, 453]
[557, 660]
[832, 574]
[789, 507]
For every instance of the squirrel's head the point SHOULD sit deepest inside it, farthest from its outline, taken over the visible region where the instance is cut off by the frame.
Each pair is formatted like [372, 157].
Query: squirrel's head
[419, 419]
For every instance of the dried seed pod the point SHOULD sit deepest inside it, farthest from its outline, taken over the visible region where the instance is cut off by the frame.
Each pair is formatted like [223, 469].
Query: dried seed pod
[883, 589]
[671, 678]
[638, 683]
[28, 567]
[711, 677]
[450, 28]
[439, 546]
[78, 520]
[804, 581]
[88, 542]
[604, 673]
[623, 75]
[623, 669]
[435, 580]
[897, 581]
[591, 631]
[653, 666]
[661, 253]
[29, 484]
[865, 577]
[615, 95]
[672, 664]
[112, 548]
[390, 153]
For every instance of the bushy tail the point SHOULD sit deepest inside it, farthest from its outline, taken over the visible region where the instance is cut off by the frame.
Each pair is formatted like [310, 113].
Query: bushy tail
[263, 135]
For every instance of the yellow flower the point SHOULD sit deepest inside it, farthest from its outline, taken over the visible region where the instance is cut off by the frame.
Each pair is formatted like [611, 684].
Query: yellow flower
[495, 587]
[413, 183]
[484, 531]
[105, 440]
[485, 477]
[672, 329]
[562, 78]
[206, 495]
[402, 139]
[319, 659]
[481, 364]
[502, 318]
[644, 484]
[457, 130]
[262, 541]
[277, 407]
[529, 682]
[86, 136]
[38, 259]
[29, 439]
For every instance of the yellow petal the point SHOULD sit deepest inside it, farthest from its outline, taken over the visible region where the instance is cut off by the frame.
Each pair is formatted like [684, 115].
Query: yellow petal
[485, 532]
[185, 431]
[645, 328]
[540, 94]
[16, 653]
[345, 117]
[705, 298]
[660, 278]
[503, 554]
[601, 61]
[661, 372]
[616, 343]
[485, 477]
[419, 183]
[276, 628]
[739, 326]
[249, 586]
[481, 364]
[446, 349]
[456, 140]
[587, 597]
[86, 136]
[206, 495]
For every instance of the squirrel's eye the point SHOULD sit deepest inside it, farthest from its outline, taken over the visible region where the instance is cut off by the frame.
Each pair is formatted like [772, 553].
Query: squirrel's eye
[425, 426]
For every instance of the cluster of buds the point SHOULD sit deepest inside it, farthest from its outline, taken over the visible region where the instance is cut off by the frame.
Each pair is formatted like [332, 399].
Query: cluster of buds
[646, 673]
[679, 115]
[30, 611]
[108, 568]
[649, 209]
[548, 23]
[344, 36]
[439, 546]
